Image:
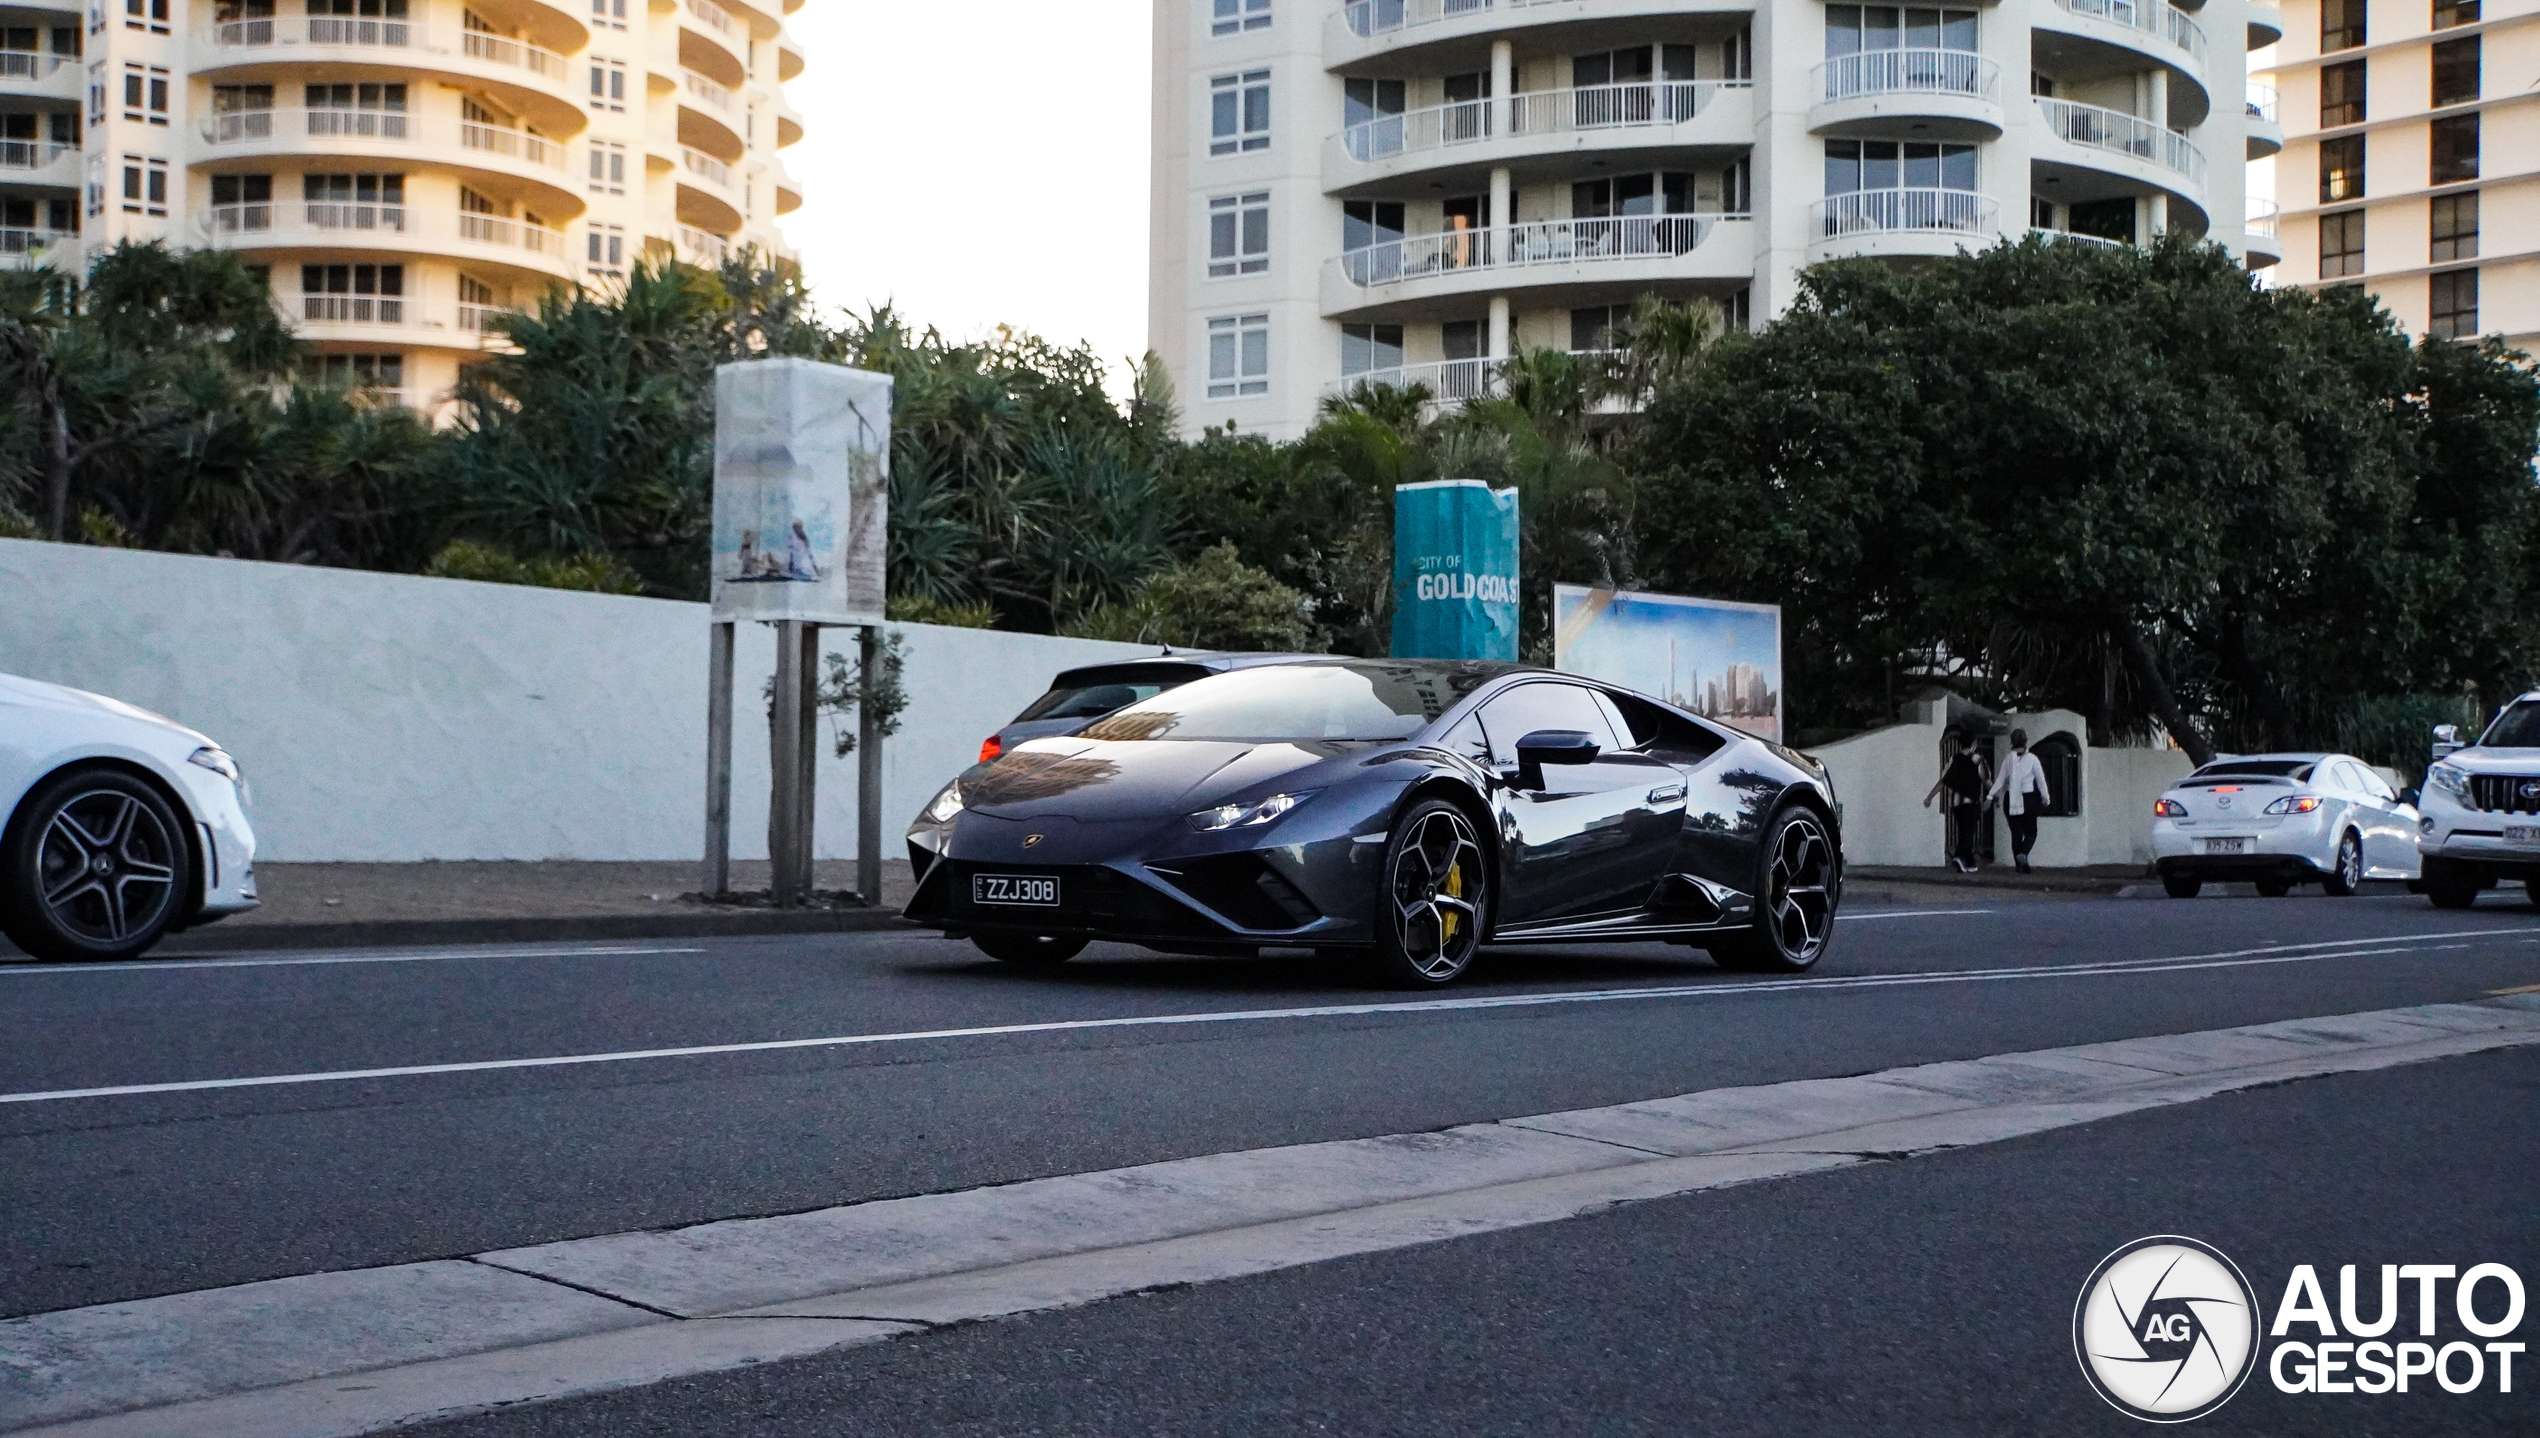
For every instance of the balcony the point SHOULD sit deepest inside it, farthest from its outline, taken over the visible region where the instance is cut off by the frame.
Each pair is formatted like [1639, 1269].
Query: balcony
[1901, 222]
[32, 74]
[709, 194]
[1548, 125]
[1956, 93]
[39, 162]
[703, 249]
[2266, 23]
[397, 135]
[711, 117]
[713, 43]
[1622, 254]
[2154, 19]
[2113, 132]
[402, 229]
[2265, 131]
[2259, 234]
[23, 249]
[789, 56]
[532, 79]
[1453, 382]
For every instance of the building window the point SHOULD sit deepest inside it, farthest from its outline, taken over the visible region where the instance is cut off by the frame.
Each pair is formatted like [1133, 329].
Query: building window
[1365, 348]
[1737, 311]
[1228, 17]
[2448, 13]
[2455, 228]
[358, 371]
[2341, 244]
[1889, 164]
[135, 85]
[2342, 169]
[608, 85]
[608, 167]
[1239, 234]
[608, 14]
[2452, 305]
[1238, 356]
[2455, 149]
[97, 93]
[354, 294]
[1239, 112]
[1851, 29]
[1594, 328]
[2456, 71]
[2341, 94]
[2341, 24]
[605, 249]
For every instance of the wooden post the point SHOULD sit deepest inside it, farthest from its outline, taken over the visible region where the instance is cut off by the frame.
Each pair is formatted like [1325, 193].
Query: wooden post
[717, 879]
[784, 763]
[868, 771]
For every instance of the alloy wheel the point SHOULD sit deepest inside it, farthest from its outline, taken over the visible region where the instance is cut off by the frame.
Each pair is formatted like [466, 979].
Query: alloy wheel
[1798, 892]
[1438, 874]
[106, 867]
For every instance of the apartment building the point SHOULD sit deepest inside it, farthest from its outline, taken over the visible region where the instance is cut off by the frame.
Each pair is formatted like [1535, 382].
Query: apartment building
[399, 170]
[1407, 190]
[2411, 163]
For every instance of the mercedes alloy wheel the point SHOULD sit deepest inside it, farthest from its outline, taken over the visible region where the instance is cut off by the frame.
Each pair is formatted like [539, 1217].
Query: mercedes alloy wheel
[95, 866]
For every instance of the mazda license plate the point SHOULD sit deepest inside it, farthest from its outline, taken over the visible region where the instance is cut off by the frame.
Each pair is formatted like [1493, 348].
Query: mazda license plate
[2522, 833]
[2224, 846]
[1037, 890]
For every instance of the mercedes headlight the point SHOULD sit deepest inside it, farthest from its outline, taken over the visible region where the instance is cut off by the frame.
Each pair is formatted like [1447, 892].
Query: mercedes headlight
[2450, 780]
[216, 761]
[1239, 816]
[947, 804]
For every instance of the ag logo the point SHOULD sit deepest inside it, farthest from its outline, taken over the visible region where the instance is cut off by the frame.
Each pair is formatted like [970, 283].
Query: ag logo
[2166, 1329]
[2531, 788]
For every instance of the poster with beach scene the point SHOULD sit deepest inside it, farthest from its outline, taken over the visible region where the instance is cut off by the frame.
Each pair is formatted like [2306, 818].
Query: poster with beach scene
[801, 480]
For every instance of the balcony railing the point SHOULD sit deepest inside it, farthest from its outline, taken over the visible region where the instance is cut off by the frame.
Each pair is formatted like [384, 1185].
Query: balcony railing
[1449, 381]
[2120, 133]
[232, 222]
[709, 249]
[495, 230]
[719, 96]
[2152, 17]
[32, 154]
[714, 17]
[1378, 17]
[1590, 107]
[2262, 102]
[1909, 72]
[698, 162]
[2079, 239]
[352, 310]
[1543, 242]
[31, 244]
[519, 144]
[387, 34]
[2262, 217]
[236, 127]
[28, 64]
[1917, 211]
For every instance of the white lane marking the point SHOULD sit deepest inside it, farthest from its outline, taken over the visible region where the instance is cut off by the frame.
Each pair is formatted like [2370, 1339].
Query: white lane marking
[2232, 958]
[1912, 914]
[392, 957]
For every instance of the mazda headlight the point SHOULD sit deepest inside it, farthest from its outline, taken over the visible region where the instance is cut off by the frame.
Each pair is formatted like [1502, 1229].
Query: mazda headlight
[1239, 816]
[947, 804]
[216, 761]
[2450, 780]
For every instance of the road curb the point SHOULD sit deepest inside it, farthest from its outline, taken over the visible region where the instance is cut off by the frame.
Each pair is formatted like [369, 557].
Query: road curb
[387, 933]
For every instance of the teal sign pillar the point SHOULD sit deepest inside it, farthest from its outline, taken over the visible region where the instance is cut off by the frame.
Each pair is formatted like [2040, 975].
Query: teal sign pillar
[1454, 571]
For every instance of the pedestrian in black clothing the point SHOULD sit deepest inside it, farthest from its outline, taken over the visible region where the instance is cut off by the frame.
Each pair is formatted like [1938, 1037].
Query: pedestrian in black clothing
[1963, 780]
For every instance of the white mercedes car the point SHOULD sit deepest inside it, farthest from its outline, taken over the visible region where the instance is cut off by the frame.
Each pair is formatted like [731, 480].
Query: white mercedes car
[2278, 820]
[2482, 809]
[117, 827]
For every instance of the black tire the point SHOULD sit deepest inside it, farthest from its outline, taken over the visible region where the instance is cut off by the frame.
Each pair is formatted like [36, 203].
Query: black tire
[1032, 951]
[95, 867]
[2451, 894]
[1799, 881]
[2182, 886]
[2274, 888]
[2348, 874]
[1434, 898]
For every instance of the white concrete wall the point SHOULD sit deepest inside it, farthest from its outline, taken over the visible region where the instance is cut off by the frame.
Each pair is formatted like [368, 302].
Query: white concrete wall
[393, 717]
[1880, 779]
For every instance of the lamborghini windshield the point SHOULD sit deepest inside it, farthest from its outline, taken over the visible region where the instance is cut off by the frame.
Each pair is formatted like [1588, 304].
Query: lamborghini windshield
[1369, 701]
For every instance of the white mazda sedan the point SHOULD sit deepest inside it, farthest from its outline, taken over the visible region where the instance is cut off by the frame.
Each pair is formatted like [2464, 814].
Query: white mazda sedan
[117, 827]
[2482, 809]
[2283, 819]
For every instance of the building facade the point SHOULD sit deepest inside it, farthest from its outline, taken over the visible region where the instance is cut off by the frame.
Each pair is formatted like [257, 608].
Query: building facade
[2411, 162]
[1405, 190]
[400, 170]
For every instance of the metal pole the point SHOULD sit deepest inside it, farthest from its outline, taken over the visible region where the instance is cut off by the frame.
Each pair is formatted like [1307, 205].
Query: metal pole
[784, 759]
[868, 771]
[717, 880]
[808, 763]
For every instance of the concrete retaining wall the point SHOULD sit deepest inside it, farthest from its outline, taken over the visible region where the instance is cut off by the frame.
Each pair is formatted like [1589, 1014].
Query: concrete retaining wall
[389, 717]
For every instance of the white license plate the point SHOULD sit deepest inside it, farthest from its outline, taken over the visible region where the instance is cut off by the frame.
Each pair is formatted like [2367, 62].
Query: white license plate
[1038, 890]
[2522, 833]
[2223, 846]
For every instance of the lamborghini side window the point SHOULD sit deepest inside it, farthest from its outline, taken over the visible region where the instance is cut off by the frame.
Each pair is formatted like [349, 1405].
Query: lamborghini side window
[1529, 707]
[1667, 736]
[1466, 739]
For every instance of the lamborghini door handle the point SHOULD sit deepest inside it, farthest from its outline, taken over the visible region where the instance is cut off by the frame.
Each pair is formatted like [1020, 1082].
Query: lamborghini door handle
[1666, 793]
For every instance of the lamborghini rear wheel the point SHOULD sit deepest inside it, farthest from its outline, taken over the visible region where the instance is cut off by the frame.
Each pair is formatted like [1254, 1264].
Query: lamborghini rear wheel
[1794, 901]
[1436, 897]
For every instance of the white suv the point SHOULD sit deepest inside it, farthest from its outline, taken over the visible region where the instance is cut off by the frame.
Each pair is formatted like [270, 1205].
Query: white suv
[2482, 809]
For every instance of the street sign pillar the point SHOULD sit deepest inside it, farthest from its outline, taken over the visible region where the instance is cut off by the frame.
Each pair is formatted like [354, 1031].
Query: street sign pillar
[717, 879]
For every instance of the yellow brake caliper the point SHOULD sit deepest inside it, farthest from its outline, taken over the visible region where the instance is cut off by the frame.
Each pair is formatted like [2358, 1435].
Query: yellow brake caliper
[1453, 888]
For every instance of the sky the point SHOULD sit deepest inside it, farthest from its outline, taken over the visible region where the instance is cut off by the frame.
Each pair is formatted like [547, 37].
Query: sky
[977, 162]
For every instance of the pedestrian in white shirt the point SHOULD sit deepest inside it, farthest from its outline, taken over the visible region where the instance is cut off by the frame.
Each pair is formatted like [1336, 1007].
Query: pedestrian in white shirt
[2021, 786]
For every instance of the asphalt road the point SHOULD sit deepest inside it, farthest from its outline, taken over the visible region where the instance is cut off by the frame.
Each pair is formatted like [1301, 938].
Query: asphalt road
[130, 1196]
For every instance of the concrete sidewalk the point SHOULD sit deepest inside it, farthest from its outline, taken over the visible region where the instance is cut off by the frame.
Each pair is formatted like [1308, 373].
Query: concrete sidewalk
[352, 905]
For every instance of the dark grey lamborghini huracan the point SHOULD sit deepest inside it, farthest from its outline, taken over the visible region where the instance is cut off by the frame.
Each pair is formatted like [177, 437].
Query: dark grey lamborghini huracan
[1408, 809]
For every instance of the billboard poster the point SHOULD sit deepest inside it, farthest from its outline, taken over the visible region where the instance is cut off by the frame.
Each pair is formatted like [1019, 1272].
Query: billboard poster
[802, 457]
[1454, 571]
[1719, 659]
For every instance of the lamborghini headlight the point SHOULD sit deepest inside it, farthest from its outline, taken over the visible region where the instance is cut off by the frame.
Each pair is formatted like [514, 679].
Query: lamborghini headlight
[947, 804]
[1239, 816]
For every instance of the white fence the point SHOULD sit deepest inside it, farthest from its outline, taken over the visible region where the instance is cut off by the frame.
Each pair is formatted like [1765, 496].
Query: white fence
[389, 717]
